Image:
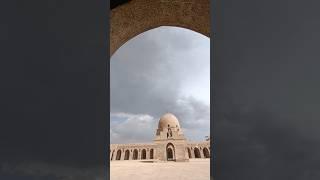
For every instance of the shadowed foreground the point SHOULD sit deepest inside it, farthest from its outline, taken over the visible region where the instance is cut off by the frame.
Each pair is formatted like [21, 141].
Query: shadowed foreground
[195, 169]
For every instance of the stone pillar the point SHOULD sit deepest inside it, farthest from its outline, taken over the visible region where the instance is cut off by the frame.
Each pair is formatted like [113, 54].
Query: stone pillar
[154, 154]
[192, 153]
[180, 153]
[131, 154]
[201, 152]
[110, 155]
[148, 154]
[122, 154]
[114, 155]
[186, 155]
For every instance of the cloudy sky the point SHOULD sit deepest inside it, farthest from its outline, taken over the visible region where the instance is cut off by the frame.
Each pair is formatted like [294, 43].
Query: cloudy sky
[166, 69]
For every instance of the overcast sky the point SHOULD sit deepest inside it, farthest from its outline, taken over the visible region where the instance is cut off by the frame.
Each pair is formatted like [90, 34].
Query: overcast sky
[166, 69]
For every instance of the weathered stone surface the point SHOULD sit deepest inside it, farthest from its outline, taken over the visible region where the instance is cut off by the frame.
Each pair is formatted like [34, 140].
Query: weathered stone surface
[138, 16]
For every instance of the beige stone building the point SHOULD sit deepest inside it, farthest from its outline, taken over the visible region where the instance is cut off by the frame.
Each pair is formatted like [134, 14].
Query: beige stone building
[169, 144]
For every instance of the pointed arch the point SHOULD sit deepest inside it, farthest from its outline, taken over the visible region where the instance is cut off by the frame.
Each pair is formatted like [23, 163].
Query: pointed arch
[151, 153]
[143, 154]
[197, 153]
[206, 153]
[126, 22]
[135, 154]
[170, 152]
[127, 155]
[118, 157]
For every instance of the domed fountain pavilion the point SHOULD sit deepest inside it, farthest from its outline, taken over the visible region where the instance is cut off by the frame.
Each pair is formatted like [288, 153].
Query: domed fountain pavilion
[169, 144]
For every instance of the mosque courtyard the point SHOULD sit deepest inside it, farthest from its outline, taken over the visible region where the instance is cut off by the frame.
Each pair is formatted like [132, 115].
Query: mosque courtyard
[195, 169]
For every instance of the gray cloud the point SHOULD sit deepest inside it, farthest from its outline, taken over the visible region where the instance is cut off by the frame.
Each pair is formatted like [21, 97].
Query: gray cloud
[158, 72]
[133, 128]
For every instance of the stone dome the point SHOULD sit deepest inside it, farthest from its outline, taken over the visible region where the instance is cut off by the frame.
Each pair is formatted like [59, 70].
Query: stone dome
[168, 119]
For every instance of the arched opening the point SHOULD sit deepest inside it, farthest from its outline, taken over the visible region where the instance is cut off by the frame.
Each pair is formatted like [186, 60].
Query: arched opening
[189, 152]
[144, 154]
[135, 155]
[112, 155]
[158, 50]
[197, 153]
[151, 153]
[127, 155]
[126, 22]
[206, 153]
[118, 157]
[160, 65]
[170, 152]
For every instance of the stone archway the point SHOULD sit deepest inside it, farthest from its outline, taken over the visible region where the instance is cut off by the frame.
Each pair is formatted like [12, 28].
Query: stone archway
[151, 153]
[197, 153]
[127, 155]
[118, 157]
[138, 16]
[170, 152]
[135, 154]
[206, 153]
[143, 154]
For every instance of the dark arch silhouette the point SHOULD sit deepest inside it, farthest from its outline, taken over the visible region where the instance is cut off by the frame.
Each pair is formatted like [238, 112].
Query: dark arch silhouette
[127, 155]
[135, 154]
[197, 153]
[118, 155]
[170, 152]
[206, 153]
[126, 22]
[144, 154]
[151, 153]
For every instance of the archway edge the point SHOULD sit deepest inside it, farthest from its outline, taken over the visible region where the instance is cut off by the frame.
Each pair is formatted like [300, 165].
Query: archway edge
[138, 16]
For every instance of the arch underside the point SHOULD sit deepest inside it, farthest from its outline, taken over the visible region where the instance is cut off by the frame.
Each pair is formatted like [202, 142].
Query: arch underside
[197, 153]
[127, 155]
[144, 154]
[135, 154]
[170, 154]
[138, 16]
[151, 153]
[206, 153]
[118, 155]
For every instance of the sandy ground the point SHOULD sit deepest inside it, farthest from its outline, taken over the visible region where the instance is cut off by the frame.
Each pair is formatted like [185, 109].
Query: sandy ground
[196, 169]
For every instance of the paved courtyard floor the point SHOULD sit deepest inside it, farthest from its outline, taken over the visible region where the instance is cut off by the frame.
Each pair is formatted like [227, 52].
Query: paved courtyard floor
[195, 169]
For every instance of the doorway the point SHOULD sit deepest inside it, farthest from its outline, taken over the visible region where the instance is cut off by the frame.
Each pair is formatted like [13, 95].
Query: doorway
[170, 152]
